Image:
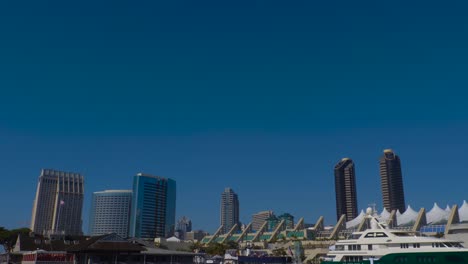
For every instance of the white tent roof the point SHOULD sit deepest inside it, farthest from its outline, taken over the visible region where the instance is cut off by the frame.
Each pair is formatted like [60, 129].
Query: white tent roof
[437, 215]
[434, 216]
[384, 216]
[398, 214]
[173, 239]
[463, 212]
[448, 209]
[356, 221]
[408, 217]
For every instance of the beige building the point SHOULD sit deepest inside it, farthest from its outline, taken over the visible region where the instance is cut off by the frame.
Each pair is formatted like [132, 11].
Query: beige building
[259, 219]
[58, 203]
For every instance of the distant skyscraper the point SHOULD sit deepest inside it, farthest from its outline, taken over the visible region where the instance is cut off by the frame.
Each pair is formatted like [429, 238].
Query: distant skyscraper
[392, 181]
[288, 220]
[183, 226]
[345, 189]
[229, 209]
[259, 219]
[58, 203]
[272, 222]
[110, 212]
[153, 207]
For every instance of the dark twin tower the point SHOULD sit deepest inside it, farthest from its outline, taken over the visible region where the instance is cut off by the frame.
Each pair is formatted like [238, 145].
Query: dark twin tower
[345, 189]
[391, 183]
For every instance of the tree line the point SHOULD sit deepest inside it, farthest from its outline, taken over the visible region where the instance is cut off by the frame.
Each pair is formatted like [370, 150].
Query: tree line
[8, 237]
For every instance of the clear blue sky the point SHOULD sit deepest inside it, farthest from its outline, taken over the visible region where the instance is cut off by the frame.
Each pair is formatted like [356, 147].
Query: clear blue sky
[261, 96]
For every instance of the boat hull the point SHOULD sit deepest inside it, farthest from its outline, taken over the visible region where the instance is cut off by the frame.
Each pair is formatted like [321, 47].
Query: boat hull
[415, 258]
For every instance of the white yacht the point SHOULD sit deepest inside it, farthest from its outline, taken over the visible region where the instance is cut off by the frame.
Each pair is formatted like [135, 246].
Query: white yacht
[380, 245]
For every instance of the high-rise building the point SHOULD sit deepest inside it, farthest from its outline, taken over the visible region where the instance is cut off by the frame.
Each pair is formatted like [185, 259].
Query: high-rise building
[345, 189]
[110, 212]
[288, 220]
[229, 209]
[58, 203]
[183, 226]
[272, 222]
[153, 206]
[260, 218]
[392, 181]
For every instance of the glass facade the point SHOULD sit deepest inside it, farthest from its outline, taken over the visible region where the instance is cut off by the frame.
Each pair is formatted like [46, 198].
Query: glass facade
[153, 207]
[110, 211]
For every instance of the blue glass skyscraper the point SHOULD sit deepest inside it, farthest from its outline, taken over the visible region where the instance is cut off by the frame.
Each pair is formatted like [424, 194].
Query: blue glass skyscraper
[153, 206]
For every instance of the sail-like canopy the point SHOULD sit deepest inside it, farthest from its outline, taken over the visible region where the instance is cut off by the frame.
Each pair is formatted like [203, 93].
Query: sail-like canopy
[463, 212]
[407, 218]
[448, 209]
[398, 213]
[356, 221]
[384, 216]
[437, 215]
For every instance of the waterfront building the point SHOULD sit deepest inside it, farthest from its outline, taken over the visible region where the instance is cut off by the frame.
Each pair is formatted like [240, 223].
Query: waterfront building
[110, 212]
[259, 219]
[58, 203]
[183, 226]
[288, 220]
[345, 189]
[229, 215]
[392, 182]
[104, 249]
[153, 206]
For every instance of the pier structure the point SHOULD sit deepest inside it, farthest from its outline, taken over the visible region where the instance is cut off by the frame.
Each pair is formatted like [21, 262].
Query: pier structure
[434, 222]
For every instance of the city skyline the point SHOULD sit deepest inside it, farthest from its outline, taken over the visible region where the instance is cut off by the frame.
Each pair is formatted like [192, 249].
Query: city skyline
[261, 96]
[345, 166]
[387, 152]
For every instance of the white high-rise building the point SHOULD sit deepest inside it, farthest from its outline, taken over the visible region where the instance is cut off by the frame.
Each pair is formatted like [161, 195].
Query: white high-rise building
[58, 204]
[110, 212]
